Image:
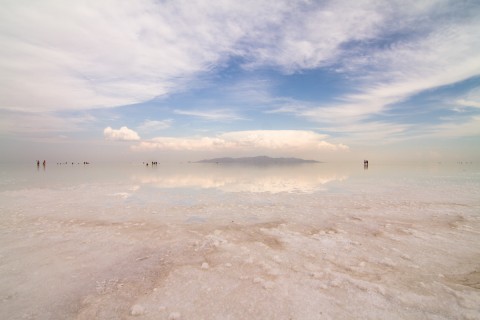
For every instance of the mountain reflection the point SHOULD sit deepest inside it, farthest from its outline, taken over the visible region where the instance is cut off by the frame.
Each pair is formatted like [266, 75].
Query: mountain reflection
[306, 178]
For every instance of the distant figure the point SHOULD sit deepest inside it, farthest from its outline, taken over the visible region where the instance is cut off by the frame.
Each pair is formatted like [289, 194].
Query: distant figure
[44, 163]
[38, 163]
[365, 164]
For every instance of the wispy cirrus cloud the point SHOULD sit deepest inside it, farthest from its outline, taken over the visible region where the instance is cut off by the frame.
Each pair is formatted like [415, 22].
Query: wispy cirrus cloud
[454, 128]
[155, 125]
[63, 56]
[144, 49]
[408, 69]
[444, 50]
[217, 115]
[468, 103]
[17, 122]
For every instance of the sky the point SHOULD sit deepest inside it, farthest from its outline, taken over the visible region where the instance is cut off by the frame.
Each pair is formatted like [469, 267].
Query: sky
[121, 80]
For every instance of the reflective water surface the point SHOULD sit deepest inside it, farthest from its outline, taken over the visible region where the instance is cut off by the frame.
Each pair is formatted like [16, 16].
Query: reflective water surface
[302, 178]
[207, 241]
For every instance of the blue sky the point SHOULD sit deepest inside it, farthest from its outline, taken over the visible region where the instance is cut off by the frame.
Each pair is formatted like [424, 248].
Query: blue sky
[329, 80]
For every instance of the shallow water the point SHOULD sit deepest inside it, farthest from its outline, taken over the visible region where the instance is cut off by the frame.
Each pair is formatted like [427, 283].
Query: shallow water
[206, 241]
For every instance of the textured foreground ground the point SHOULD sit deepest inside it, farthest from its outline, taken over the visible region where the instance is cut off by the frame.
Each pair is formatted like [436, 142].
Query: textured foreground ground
[97, 251]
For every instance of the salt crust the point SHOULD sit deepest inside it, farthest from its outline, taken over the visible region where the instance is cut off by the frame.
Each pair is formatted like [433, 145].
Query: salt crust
[370, 253]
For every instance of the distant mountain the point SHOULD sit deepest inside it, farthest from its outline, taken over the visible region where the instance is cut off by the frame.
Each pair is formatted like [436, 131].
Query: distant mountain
[261, 160]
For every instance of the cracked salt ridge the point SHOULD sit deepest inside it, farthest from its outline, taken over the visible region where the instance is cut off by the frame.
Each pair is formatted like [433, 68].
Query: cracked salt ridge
[383, 254]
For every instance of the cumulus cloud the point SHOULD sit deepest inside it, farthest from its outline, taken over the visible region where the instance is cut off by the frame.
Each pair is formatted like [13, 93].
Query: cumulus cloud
[122, 134]
[277, 140]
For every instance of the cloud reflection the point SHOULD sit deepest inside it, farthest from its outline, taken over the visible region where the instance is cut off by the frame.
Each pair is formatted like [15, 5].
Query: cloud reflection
[234, 178]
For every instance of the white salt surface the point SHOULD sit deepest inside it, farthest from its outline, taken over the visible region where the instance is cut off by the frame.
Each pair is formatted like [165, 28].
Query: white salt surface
[211, 242]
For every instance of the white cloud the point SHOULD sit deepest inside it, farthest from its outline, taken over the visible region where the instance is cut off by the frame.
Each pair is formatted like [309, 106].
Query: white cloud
[452, 128]
[280, 139]
[443, 50]
[220, 114]
[313, 35]
[56, 55]
[155, 125]
[468, 103]
[42, 122]
[59, 55]
[297, 178]
[407, 69]
[277, 140]
[374, 132]
[122, 134]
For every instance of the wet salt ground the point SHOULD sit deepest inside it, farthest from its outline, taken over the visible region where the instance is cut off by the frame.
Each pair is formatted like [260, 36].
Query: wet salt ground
[327, 244]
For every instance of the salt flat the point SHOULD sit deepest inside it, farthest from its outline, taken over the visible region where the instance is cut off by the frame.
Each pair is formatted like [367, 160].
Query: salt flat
[199, 241]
